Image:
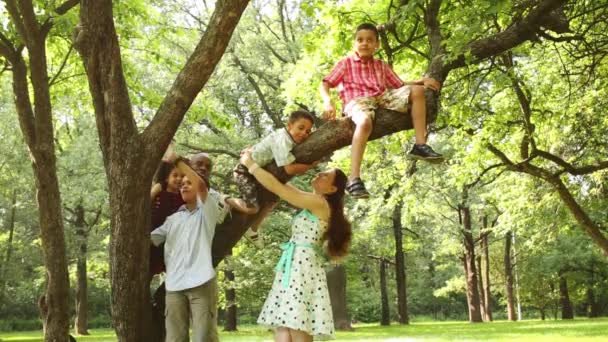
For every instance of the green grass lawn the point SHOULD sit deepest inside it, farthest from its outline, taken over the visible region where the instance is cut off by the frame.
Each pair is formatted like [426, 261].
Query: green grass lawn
[583, 330]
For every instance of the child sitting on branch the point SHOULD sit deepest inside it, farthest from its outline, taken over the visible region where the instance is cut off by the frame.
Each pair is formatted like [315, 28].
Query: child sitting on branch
[366, 83]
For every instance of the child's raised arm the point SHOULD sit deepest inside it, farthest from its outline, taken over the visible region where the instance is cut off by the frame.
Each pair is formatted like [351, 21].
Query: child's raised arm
[197, 181]
[156, 189]
[329, 111]
[305, 200]
[295, 169]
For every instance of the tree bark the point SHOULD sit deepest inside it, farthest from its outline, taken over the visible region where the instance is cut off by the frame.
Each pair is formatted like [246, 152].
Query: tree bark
[385, 318]
[230, 321]
[37, 127]
[82, 305]
[470, 271]
[509, 278]
[4, 267]
[336, 283]
[564, 297]
[400, 268]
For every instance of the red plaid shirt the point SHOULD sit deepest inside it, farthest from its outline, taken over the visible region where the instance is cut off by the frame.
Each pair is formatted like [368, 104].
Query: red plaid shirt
[358, 78]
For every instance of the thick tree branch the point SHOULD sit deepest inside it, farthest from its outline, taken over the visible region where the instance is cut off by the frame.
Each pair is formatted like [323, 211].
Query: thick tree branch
[193, 76]
[97, 42]
[569, 168]
[519, 32]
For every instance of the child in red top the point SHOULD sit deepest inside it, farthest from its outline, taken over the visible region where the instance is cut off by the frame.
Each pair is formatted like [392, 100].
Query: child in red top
[166, 199]
[365, 84]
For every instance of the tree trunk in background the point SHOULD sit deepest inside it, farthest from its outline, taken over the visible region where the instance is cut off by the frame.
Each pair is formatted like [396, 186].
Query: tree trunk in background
[31, 82]
[336, 283]
[482, 302]
[82, 306]
[230, 310]
[471, 269]
[564, 297]
[4, 266]
[485, 274]
[593, 309]
[385, 319]
[400, 268]
[509, 278]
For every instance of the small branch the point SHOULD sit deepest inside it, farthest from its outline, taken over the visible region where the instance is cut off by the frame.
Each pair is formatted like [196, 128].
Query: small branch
[63, 63]
[66, 6]
[211, 150]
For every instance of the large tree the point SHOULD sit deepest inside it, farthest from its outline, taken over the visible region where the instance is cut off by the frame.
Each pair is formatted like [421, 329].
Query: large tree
[130, 155]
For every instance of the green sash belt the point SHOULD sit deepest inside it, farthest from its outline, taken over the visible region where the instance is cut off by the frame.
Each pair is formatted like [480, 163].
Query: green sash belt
[286, 260]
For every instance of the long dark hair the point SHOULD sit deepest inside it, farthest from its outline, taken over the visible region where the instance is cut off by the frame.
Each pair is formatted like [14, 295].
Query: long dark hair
[339, 232]
[162, 173]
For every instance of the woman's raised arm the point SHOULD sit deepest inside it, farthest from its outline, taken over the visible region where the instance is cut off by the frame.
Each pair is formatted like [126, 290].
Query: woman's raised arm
[301, 199]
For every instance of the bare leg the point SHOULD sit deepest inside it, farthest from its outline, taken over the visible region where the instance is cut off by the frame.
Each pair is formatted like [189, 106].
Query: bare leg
[240, 205]
[418, 102]
[281, 334]
[363, 129]
[264, 212]
[299, 336]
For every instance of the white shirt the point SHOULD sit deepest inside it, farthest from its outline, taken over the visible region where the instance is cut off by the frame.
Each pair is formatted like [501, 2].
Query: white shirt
[277, 145]
[188, 236]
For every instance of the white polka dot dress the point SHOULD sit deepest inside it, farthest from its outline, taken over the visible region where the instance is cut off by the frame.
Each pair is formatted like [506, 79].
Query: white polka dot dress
[299, 298]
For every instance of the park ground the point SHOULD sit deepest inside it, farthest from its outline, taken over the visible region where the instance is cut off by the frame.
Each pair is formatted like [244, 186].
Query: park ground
[583, 330]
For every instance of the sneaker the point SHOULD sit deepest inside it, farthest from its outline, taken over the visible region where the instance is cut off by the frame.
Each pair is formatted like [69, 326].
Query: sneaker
[425, 152]
[356, 188]
[255, 238]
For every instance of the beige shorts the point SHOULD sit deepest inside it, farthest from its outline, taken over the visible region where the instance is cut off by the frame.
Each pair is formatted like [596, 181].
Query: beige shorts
[393, 99]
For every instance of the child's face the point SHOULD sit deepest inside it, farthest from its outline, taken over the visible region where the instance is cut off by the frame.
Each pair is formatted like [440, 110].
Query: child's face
[299, 129]
[366, 43]
[174, 180]
[187, 191]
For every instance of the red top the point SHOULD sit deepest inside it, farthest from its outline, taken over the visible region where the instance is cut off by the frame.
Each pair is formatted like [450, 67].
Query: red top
[164, 205]
[362, 78]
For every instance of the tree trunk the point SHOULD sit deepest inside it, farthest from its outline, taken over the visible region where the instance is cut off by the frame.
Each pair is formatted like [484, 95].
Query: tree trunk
[4, 267]
[480, 286]
[592, 305]
[230, 311]
[564, 297]
[127, 152]
[400, 268]
[385, 319]
[509, 278]
[470, 271]
[81, 322]
[336, 283]
[36, 124]
[485, 273]
[542, 314]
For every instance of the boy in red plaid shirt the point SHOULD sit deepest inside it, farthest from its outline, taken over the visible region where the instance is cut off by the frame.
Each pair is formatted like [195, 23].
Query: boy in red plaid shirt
[365, 84]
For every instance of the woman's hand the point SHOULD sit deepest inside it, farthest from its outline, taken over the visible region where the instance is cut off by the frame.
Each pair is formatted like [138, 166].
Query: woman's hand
[246, 158]
[170, 156]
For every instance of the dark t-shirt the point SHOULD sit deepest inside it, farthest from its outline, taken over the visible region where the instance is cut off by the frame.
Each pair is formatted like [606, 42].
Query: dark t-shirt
[163, 205]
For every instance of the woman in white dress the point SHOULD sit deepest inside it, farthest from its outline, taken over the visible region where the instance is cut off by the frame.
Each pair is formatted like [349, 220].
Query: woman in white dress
[298, 305]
